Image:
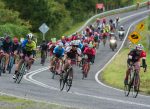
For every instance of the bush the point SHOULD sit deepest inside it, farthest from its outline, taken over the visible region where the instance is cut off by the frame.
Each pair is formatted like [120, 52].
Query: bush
[13, 30]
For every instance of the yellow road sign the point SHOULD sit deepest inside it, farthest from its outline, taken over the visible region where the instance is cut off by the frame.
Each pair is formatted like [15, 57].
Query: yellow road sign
[140, 26]
[134, 37]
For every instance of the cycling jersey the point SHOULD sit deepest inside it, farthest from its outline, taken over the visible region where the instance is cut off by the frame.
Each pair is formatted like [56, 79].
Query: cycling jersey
[59, 52]
[28, 46]
[7, 47]
[72, 53]
[44, 47]
[135, 55]
[15, 47]
[89, 51]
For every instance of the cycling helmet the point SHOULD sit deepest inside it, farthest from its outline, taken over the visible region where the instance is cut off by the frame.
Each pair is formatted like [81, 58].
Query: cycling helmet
[15, 40]
[104, 20]
[138, 47]
[62, 37]
[1, 38]
[29, 36]
[76, 42]
[7, 37]
[60, 44]
[121, 27]
[90, 45]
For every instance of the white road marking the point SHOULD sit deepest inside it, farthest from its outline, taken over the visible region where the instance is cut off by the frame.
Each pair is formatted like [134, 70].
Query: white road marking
[96, 77]
[97, 74]
[46, 86]
[81, 94]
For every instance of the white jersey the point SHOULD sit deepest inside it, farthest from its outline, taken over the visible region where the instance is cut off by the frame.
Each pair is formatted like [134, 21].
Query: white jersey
[69, 48]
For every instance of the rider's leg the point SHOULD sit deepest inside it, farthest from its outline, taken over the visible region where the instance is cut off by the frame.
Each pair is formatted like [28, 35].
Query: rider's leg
[7, 60]
[17, 67]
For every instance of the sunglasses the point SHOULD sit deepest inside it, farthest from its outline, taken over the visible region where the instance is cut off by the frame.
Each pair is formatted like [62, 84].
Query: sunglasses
[75, 45]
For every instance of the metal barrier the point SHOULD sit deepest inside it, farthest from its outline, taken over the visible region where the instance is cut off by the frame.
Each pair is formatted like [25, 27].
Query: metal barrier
[107, 13]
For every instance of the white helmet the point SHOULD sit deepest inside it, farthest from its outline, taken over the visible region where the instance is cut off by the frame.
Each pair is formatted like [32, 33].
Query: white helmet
[29, 36]
[139, 47]
[60, 44]
[121, 26]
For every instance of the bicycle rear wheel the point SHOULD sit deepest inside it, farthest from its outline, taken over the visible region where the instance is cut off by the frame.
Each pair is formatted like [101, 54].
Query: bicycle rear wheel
[136, 85]
[127, 90]
[21, 72]
[68, 79]
[2, 65]
[62, 81]
[68, 84]
[11, 63]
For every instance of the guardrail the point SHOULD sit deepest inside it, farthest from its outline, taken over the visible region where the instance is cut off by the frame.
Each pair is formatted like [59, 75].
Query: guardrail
[107, 13]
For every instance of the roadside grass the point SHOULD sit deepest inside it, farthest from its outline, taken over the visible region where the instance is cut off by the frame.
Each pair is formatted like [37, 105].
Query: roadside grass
[114, 73]
[74, 28]
[7, 102]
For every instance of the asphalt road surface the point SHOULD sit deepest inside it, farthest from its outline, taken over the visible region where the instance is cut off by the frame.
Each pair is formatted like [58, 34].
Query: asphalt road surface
[85, 94]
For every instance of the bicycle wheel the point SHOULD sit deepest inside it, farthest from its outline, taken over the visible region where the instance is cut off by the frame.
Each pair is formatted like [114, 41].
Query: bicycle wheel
[136, 85]
[62, 83]
[21, 72]
[11, 63]
[127, 89]
[2, 65]
[85, 71]
[68, 80]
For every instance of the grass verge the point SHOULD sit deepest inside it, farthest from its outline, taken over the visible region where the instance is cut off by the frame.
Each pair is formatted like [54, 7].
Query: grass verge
[74, 28]
[114, 73]
[7, 102]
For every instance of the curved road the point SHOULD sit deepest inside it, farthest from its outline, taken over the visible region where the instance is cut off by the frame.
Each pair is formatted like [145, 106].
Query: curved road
[85, 94]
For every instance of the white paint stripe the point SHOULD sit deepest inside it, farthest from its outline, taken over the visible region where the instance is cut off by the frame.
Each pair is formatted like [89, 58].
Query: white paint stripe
[116, 100]
[104, 98]
[81, 94]
[97, 74]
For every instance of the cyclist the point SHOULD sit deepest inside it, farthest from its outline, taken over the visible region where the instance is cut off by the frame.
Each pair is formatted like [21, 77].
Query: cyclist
[72, 54]
[58, 54]
[134, 57]
[43, 48]
[121, 28]
[91, 52]
[15, 47]
[27, 47]
[7, 48]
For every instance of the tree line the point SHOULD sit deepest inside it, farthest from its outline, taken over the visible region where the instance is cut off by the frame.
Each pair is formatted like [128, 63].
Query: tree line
[21, 16]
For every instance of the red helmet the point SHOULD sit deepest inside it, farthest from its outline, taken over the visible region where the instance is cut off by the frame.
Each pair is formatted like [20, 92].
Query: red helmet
[15, 40]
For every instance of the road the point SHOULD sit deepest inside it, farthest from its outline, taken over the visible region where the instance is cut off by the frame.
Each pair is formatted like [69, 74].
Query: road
[85, 94]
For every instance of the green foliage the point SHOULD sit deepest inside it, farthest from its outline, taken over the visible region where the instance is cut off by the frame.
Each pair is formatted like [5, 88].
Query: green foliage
[13, 30]
[59, 15]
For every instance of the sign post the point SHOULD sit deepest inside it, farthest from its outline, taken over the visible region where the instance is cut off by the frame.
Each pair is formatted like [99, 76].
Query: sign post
[43, 28]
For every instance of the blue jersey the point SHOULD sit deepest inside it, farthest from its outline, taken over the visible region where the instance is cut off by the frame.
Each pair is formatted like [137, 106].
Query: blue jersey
[59, 52]
[24, 43]
[81, 46]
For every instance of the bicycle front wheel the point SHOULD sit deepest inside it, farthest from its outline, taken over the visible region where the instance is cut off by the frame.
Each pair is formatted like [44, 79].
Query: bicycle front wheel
[136, 85]
[126, 90]
[68, 84]
[21, 72]
[62, 84]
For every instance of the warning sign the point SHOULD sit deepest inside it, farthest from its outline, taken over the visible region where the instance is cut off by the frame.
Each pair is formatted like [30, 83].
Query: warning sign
[134, 37]
[140, 26]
